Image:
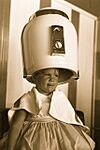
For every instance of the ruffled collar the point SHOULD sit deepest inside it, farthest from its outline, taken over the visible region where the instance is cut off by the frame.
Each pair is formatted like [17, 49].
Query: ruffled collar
[40, 98]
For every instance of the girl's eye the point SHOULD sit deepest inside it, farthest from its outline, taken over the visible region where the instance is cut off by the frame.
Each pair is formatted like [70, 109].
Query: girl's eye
[56, 75]
[47, 74]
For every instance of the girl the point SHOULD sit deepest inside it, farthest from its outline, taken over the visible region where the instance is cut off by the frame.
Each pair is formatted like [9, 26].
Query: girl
[44, 119]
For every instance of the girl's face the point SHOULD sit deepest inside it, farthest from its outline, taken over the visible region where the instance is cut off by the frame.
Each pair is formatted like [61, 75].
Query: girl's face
[47, 80]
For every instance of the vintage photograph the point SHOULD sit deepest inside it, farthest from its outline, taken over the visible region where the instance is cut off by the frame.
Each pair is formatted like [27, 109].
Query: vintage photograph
[49, 75]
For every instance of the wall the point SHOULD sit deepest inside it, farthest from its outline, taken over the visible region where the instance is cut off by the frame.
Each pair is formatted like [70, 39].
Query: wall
[91, 6]
[86, 65]
[20, 12]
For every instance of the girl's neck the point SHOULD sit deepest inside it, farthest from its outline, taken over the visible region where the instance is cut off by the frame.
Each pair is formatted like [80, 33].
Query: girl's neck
[44, 93]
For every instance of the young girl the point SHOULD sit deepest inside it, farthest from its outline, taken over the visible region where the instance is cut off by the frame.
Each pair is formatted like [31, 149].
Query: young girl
[44, 119]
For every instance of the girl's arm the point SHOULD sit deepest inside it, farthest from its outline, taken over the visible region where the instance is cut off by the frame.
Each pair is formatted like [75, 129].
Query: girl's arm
[15, 128]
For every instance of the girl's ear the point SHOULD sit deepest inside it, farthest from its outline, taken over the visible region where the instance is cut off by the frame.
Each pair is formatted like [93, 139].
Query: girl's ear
[33, 79]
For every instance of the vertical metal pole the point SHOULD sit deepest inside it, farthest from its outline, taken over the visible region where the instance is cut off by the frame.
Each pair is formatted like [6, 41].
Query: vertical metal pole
[4, 42]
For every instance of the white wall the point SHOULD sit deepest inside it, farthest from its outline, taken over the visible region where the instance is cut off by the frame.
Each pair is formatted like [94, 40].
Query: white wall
[86, 64]
[20, 12]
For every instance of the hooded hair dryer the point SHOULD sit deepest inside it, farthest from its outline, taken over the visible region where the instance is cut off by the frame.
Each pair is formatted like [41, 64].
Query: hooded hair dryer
[49, 40]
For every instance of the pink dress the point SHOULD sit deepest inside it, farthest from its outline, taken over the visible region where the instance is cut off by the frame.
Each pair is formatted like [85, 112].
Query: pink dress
[44, 130]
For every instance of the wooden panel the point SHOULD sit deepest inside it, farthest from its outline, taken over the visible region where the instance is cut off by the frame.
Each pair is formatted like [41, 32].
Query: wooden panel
[4, 40]
[91, 6]
[45, 3]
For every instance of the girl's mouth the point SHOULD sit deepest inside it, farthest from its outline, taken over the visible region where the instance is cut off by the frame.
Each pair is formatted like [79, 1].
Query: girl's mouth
[51, 84]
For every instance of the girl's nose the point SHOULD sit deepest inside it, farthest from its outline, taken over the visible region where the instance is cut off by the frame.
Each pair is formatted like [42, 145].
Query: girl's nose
[52, 77]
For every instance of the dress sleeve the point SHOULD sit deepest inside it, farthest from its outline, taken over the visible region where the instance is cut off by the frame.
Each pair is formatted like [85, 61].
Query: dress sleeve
[26, 102]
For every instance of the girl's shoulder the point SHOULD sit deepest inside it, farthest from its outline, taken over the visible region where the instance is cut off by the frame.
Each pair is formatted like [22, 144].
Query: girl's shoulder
[26, 99]
[26, 102]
